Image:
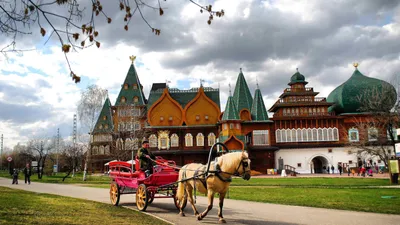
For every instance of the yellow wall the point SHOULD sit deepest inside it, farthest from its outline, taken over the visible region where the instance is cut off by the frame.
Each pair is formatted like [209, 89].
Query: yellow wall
[165, 107]
[201, 106]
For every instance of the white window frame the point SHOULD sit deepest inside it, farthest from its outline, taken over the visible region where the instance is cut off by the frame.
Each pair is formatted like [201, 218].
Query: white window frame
[189, 140]
[200, 139]
[211, 139]
[153, 141]
[261, 137]
[354, 130]
[174, 140]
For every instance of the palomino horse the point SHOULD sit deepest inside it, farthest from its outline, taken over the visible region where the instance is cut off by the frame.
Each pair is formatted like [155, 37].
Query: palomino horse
[216, 181]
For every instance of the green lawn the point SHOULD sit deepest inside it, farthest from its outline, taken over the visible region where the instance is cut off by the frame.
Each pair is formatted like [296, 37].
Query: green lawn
[22, 207]
[367, 200]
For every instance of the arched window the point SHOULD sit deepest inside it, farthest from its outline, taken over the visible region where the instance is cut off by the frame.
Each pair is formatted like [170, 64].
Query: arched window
[314, 134]
[136, 143]
[120, 144]
[372, 134]
[135, 99]
[200, 139]
[284, 135]
[278, 136]
[289, 135]
[128, 144]
[126, 86]
[299, 138]
[123, 99]
[309, 134]
[134, 86]
[294, 136]
[107, 150]
[101, 150]
[211, 139]
[335, 134]
[320, 135]
[304, 134]
[188, 140]
[153, 141]
[353, 134]
[174, 140]
[324, 134]
[95, 150]
[330, 134]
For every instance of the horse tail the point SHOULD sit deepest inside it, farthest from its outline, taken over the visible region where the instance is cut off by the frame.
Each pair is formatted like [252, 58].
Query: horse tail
[180, 191]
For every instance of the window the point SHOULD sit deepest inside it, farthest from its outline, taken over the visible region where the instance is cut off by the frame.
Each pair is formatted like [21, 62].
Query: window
[353, 134]
[135, 99]
[211, 139]
[101, 126]
[153, 141]
[163, 142]
[206, 117]
[329, 150]
[238, 126]
[126, 86]
[288, 136]
[314, 134]
[95, 150]
[350, 161]
[137, 126]
[170, 118]
[106, 126]
[320, 136]
[304, 133]
[200, 139]
[330, 134]
[225, 126]
[123, 99]
[174, 140]
[260, 137]
[335, 134]
[136, 112]
[298, 164]
[294, 139]
[197, 117]
[188, 140]
[134, 86]
[231, 126]
[104, 117]
[372, 134]
[107, 150]
[283, 132]
[309, 133]
[161, 118]
[136, 143]
[325, 134]
[299, 138]
[278, 136]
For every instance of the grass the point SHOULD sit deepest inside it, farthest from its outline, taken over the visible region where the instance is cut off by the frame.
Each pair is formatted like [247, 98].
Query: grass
[367, 200]
[312, 182]
[22, 207]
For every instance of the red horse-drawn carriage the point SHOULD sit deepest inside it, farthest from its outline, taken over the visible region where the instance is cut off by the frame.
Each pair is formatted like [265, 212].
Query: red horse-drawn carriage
[129, 179]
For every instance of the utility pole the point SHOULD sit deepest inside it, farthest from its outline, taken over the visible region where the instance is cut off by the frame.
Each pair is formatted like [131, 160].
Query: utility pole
[74, 145]
[1, 152]
[58, 146]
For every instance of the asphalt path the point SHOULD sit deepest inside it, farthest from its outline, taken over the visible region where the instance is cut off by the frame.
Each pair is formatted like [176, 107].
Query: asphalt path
[235, 211]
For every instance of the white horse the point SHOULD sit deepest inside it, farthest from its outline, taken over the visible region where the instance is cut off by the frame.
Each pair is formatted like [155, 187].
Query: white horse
[217, 180]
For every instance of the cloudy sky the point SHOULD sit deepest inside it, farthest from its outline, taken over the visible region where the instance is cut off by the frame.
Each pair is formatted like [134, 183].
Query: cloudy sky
[268, 39]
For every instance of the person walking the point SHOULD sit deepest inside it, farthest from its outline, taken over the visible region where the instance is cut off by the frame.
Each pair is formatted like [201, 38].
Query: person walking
[145, 158]
[27, 173]
[340, 169]
[333, 169]
[348, 170]
[15, 176]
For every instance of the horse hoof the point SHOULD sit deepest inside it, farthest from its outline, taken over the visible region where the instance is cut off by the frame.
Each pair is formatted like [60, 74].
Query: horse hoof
[199, 217]
[182, 214]
[221, 221]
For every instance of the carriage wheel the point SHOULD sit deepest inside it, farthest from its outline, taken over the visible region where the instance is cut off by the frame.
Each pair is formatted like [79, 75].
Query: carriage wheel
[114, 193]
[142, 197]
[176, 201]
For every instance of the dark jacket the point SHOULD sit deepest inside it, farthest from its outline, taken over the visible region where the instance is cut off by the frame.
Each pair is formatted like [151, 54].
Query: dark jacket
[27, 172]
[144, 161]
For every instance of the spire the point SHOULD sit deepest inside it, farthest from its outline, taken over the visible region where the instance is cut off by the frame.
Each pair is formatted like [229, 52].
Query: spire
[131, 90]
[257, 82]
[230, 90]
[258, 111]
[230, 113]
[242, 96]
[104, 123]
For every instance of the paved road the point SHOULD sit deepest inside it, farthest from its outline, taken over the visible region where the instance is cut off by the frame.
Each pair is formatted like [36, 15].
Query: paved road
[235, 212]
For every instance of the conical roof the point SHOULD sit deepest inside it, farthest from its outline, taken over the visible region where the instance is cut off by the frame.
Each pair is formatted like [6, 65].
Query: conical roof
[242, 96]
[354, 95]
[131, 88]
[258, 111]
[104, 123]
[230, 113]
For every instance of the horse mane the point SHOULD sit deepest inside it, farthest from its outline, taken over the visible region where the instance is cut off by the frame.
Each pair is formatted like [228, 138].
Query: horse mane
[230, 161]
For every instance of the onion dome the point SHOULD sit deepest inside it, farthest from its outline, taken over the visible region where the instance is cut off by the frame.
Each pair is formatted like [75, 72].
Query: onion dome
[297, 78]
[358, 93]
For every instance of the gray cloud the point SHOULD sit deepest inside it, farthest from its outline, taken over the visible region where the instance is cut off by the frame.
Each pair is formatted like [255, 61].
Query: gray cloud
[20, 114]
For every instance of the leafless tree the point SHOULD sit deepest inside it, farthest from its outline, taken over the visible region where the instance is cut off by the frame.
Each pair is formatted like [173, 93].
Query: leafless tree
[89, 108]
[377, 130]
[72, 156]
[73, 21]
[41, 147]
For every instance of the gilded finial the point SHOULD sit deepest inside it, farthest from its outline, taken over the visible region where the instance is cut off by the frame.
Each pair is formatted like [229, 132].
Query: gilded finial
[132, 58]
[355, 65]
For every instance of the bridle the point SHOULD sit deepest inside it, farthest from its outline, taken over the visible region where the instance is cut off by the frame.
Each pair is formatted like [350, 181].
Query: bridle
[244, 164]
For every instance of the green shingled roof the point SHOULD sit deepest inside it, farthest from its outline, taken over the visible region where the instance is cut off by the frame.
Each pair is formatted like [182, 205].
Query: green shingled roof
[131, 79]
[242, 96]
[101, 122]
[297, 78]
[183, 97]
[230, 113]
[258, 111]
[349, 96]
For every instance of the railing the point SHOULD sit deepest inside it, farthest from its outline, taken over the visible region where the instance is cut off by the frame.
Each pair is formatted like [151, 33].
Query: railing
[290, 170]
[299, 90]
[192, 90]
[307, 114]
[300, 99]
